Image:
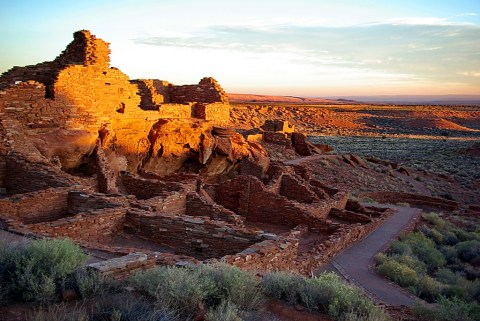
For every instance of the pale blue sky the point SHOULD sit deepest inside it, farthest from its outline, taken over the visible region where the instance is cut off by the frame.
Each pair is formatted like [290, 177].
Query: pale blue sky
[309, 48]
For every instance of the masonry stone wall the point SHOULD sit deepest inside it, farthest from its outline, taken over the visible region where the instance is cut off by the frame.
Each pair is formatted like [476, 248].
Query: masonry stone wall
[207, 91]
[173, 203]
[201, 206]
[198, 236]
[82, 201]
[96, 226]
[46, 205]
[278, 254]
[144, 188]
[23, 176]
[293, 189]
[278, 126]
[277, 138]
[248, 197]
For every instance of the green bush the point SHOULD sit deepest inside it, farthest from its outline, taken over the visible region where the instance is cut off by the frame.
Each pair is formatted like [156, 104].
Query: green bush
[175, 289]
[400, 248]
[232, 285]
[468, 250]
[89, 283]
[412, 262]
[397, 272]
[448, 310]
[434, 219]
[424, 248]
[34, 271]
[226, 311]
[325, 293]
[428, 288]
[283, 286]
[342, 299]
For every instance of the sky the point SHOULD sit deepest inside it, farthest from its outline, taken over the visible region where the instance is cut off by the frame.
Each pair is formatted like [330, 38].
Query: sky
[302, 48]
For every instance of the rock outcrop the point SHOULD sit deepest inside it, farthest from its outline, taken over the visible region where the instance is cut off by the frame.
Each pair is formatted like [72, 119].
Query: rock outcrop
[67, 111]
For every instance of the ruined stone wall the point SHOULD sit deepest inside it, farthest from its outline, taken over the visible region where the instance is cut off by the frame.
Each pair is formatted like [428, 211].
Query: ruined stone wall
[175, 111]
[23, 176]
[96, 226]
[278, 126]
[85, 49]
[207, 91]
[96, 96]
[122, 267]
[293, 189]
[277, 138]
[277, 254]
[151, 93]
[234, 195]
[26, 102]
[189, 235]
[83, 201]
[248, 197]
[218, 112]
[173, 203]
[46, 205]
[200, 206]
[144, 188]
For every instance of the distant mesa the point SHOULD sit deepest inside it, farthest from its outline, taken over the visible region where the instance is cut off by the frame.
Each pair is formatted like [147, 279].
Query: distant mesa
[252, 98]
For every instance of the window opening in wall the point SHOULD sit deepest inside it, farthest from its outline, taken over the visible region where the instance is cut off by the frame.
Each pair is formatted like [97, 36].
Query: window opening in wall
[121, 109]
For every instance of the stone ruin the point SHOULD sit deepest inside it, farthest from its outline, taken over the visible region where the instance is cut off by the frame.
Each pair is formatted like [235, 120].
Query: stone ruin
[154, 172]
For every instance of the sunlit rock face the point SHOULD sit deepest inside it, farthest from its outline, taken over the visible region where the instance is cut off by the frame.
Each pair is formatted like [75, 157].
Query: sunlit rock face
[64, 112]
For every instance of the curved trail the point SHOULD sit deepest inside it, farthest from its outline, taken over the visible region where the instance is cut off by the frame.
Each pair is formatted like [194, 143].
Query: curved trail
[355, 263]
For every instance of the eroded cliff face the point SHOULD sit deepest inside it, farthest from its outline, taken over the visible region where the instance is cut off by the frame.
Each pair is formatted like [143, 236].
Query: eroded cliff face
[76, 112]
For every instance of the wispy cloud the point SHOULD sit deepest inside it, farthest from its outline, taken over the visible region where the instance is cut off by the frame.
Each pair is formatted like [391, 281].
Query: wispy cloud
[420, 49]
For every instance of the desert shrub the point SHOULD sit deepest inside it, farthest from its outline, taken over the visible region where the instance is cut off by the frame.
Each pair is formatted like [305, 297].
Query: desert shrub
[432, 233]
[283, 286]
[59, 312]
[89, 283]
[428, 288]
[226, 311]
[412, 262]
[456, 309]
[424, 248]
[127, 307]
[325, 293]
[468, 250]
[34, 271]
[450, 238]
[232, 285]
[447, 276]
[434, 219]
[175, 289]
[448, 310]
[339, 299]
[400, 248]
[397, 272]
[450, 254]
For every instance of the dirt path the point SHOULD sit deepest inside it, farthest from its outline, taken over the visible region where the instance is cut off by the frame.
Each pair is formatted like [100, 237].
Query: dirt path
[355, 263]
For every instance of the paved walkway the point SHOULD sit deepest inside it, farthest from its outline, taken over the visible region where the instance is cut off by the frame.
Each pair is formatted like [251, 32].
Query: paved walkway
[355, 263]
